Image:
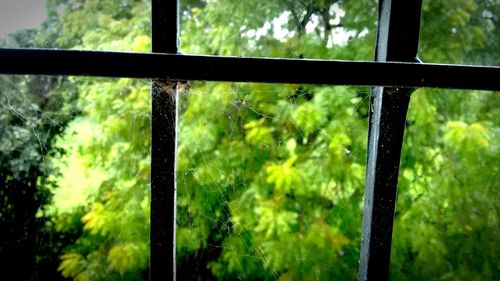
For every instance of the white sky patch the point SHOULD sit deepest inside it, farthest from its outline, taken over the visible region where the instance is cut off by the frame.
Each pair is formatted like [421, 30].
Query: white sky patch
[339, 35]
[20, 14]
[363, 33]
[338, 12]
[257, 33]
[279, 31]
[263, 30]
[312, 24]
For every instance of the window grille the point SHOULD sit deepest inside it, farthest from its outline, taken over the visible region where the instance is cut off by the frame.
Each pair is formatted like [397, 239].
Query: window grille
[395, 74]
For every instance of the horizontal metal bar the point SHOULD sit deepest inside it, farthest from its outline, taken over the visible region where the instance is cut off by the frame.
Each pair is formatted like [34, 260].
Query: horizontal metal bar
[237, 69]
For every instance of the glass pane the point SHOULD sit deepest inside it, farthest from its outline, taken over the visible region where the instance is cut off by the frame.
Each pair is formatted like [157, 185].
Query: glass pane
[74, 178]
[291, 29]
[76, 24]
[270, 181]
[464, 31]
[447, 223]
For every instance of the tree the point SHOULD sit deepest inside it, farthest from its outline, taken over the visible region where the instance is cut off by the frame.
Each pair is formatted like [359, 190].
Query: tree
[30, 120]
[271, 177]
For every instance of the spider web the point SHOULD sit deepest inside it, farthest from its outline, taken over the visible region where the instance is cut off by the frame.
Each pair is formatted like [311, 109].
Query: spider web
[232, 138]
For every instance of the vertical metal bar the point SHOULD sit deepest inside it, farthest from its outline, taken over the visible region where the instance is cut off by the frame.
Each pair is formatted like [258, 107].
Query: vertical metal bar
[397, 40]
[165, 26]
[165, 37]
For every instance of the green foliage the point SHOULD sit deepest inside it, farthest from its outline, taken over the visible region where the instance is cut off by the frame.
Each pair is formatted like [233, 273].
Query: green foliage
[119, 146]
[271, 177]
[111, 138]
[447, 209]
[274, 180]
[34, 111]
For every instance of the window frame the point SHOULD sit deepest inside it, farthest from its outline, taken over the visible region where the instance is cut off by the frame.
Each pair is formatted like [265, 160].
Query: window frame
[395, 73]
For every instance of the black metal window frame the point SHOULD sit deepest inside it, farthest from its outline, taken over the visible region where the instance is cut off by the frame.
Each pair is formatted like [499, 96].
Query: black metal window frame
[394, 75]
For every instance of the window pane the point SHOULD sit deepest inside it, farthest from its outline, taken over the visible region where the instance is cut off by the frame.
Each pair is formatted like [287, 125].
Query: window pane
[446, 225]
[292, 29]
[464, 31]
[74, 178]
[270, 181]
[76, 24]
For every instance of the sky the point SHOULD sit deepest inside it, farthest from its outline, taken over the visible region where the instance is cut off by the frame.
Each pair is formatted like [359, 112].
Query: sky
[20, 14]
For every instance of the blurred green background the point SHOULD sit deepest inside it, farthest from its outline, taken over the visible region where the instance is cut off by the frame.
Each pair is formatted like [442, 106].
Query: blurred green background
[270, 176]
